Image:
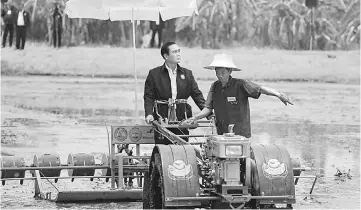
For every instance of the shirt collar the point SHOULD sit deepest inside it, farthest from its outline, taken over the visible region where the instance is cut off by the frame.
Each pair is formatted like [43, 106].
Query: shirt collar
[228, 83]
[178, 68]
[169, 69]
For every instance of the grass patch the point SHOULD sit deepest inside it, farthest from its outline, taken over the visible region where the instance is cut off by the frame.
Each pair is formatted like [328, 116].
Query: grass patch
[111, 62]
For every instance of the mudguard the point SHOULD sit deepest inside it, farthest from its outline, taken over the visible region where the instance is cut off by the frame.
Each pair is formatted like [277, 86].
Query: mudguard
[273, 175]
[180, 171]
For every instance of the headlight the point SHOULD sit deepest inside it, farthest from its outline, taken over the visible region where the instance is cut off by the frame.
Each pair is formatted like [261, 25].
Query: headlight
[234, 150]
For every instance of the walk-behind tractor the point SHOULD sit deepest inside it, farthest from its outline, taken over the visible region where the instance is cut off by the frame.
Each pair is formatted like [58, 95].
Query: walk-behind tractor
[222, 171]
[228, 172]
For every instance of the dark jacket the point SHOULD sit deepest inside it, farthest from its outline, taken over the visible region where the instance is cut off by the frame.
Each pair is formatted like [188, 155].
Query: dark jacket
[57, 20]
[9, 19]
[26, 18]
[158, 87]
[231, 106]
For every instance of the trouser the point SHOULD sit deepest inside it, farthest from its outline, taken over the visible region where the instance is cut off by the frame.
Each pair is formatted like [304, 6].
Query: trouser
[20, 37]
[57, 38]
[159, 37]
[9, 29]
[177, 131]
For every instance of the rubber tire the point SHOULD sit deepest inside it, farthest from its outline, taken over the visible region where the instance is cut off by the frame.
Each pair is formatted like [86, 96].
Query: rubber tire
[146, 190]
[254, 204]
[156, 191]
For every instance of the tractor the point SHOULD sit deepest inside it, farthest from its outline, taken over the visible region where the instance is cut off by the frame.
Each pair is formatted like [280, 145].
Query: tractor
[226, 172]
[221, 171]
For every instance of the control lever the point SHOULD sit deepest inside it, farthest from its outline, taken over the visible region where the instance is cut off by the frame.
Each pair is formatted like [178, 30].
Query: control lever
[230, 130]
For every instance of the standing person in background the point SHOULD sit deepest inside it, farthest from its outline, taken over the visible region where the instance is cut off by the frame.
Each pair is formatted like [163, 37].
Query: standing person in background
[8, 16]
[22, 23]
[157, 27]
[57, 26]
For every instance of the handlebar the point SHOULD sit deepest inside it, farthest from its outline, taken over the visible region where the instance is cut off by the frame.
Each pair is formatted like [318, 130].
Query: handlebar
[172, 101]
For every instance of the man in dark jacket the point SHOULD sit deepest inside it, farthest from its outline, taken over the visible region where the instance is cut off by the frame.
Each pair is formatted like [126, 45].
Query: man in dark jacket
[22, 23]
[8, 15]
[170, 81]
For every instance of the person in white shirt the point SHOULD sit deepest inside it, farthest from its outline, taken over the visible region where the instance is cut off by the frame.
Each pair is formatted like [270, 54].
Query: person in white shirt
[22, 23]
[8, 17]
[170, 81]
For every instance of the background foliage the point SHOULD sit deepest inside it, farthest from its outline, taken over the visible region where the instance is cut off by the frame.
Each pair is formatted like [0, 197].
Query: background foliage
[284, 24]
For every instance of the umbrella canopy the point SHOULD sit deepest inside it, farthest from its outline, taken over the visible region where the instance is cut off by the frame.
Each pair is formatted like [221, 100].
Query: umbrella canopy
[118, 10]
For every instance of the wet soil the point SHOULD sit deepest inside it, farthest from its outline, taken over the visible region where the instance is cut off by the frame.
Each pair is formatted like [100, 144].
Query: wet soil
[322, 129]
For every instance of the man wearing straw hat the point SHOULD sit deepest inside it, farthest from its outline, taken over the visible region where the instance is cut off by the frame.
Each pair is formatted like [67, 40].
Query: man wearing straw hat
[228, 97]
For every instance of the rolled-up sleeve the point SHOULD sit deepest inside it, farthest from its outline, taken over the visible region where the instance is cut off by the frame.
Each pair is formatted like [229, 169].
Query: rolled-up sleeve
[251, 89]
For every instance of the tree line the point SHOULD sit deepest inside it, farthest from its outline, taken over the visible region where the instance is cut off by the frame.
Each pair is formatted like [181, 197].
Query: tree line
[284, 24]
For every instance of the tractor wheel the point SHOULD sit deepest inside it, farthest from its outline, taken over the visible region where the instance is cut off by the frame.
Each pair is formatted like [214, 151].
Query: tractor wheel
[146, 193]
[255, 187]
[246, 172]
[254, 204]
[156, 191]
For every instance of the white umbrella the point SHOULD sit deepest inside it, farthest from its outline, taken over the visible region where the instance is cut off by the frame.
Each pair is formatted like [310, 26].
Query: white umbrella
[119, 10]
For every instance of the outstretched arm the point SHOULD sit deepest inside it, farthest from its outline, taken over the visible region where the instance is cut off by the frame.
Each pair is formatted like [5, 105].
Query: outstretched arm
[272, 92]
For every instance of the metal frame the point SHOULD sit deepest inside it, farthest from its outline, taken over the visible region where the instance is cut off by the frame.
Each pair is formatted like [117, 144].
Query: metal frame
[144, 135]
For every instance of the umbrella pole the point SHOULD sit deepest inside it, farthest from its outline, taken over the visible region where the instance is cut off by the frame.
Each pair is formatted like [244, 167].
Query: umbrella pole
[135, 70]
[135, 87]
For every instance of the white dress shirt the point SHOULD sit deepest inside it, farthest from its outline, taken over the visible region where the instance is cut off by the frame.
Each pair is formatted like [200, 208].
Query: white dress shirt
[173, 80]
[20, 21]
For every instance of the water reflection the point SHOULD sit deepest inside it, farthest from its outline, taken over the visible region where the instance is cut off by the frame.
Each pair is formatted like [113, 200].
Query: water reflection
[323, 147]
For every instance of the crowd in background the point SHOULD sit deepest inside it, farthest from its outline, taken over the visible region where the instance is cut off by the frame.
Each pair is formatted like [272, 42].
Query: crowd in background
[289, 25]
[16, 20]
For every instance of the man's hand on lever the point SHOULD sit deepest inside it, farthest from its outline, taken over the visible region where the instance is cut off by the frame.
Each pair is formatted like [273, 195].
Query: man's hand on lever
[189, 121]
[149, 119]
[206, 112]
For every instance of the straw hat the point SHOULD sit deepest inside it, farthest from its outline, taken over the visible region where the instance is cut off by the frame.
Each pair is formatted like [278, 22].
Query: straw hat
[222, 60]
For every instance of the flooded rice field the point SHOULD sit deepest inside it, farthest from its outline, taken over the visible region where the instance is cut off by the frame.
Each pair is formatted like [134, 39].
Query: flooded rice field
[322, 129]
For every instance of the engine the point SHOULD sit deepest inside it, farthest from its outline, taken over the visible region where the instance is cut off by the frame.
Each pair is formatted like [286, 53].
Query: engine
[226, 155]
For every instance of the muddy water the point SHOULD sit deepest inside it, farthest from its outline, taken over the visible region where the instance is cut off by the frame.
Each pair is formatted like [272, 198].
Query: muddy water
[322, 147]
